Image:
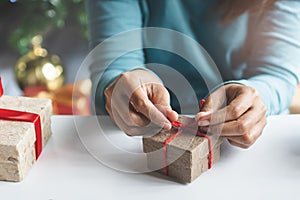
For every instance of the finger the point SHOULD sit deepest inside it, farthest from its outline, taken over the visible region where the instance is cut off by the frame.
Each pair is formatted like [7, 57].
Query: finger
[129, 110]
[114, 115]
[213, 102]
[126, 111]
[242, 125]
[203, 117]
[123, 106]
[134, 130]
[248, 139]
[161, 99]
[250, 135]
[138, 118]
[216, 100]
[130, 123]
[131, 81]
[237, 144]
[168, 112]
[129, 130]
[172, 115]
[237, 107]
[142, 104]
[231, 112]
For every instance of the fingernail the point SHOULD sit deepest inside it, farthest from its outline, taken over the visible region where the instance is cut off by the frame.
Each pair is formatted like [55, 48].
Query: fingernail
[202, 114]
[204, 123]
[166, 125]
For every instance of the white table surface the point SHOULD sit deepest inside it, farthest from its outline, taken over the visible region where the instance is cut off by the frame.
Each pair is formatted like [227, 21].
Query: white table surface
[66, 170]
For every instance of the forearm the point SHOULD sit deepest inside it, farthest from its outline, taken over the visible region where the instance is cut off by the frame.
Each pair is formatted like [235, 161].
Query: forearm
[273, 61]
[276, 94]
[112, 54]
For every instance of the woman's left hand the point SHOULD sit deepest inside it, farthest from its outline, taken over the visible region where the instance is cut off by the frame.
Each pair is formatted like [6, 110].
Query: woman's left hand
[236, 112]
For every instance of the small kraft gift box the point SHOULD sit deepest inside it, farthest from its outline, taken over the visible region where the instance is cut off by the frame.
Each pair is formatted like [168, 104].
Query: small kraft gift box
[25, 128]
[182, 153]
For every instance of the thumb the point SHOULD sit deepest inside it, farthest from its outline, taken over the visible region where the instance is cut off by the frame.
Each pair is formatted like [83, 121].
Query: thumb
[212, 104]
[168, 112]
[215, 100]
[205, 105]
[206, 108]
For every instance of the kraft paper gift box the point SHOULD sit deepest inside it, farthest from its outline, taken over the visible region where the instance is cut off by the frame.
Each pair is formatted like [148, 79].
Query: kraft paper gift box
[186, 156]
[18, 139]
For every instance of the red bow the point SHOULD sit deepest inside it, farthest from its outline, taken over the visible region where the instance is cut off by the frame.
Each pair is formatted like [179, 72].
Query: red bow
[14, 115]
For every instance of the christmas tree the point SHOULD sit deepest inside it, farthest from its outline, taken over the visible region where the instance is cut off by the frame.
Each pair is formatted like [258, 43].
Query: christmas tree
[28, 18]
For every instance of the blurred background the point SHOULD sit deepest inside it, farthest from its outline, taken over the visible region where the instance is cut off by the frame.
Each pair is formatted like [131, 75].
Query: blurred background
[42, 44]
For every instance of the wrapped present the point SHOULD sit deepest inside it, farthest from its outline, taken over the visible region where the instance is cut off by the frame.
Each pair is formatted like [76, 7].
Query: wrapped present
[71, 99]
[25, 128]
[183, 153]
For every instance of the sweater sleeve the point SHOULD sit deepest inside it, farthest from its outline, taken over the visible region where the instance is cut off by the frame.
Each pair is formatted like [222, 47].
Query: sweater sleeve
[273, 62]
[112, 56]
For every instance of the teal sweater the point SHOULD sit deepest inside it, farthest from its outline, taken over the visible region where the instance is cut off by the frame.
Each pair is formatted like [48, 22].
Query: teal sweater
[260, 51]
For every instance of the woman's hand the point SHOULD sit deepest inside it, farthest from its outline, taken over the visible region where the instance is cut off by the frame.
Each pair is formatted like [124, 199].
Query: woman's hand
[237, 112]
[138, 98]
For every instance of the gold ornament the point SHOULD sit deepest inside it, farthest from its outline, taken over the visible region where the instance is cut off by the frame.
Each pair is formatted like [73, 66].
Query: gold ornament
[39, 69]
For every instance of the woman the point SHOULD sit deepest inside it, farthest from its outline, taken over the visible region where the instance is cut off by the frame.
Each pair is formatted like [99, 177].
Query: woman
[255, 45]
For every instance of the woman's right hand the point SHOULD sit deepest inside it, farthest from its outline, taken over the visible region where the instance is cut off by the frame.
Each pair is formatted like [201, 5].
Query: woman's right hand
[138, 98]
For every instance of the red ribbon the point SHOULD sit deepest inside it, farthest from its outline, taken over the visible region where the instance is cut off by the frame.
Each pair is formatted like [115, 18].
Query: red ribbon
[165, 149]
[1, 88]
[180, 127]
[15, 115]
